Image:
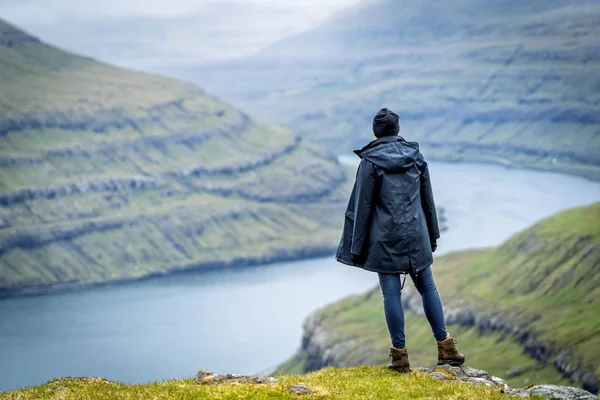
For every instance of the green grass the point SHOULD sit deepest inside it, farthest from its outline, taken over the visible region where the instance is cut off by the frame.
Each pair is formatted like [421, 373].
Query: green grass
[331, 383]
[109, 174]
[544, 278]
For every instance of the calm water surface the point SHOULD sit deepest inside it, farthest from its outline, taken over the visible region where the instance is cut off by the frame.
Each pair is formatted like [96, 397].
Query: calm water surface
[248, 320]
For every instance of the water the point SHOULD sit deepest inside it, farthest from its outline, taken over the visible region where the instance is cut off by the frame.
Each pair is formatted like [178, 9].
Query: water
[246, 321]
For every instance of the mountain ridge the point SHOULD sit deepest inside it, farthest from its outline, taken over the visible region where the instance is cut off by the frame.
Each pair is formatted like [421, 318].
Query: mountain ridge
[509, 87]
[109, 174]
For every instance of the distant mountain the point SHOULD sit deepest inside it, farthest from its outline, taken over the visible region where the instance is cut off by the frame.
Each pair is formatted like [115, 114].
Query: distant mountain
[109, 174]
[507, 82]
[526, 311]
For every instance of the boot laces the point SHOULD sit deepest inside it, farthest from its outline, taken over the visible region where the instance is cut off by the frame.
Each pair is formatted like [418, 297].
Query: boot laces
[452, 343]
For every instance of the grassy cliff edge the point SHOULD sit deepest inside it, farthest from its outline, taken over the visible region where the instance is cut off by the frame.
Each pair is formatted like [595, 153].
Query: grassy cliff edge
[526, 310]
[330, 383]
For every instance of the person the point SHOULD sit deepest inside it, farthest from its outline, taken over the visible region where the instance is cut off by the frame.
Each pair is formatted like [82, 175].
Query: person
[391, 228]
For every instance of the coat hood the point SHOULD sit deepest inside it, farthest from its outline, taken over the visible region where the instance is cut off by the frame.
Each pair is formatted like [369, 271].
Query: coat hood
[391, 153]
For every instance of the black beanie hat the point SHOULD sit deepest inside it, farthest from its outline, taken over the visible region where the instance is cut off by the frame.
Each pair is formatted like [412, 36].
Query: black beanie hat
[386, 123]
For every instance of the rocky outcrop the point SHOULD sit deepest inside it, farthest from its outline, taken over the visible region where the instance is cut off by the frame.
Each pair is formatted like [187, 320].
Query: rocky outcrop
[107, 148]
[37, 237]
[463, 374]
[206, 377]
[109, 184]
[321, 351]
[248, 191]
[114, 184]
[101, 119]
[261, 160]
[469, 375]
[539, 349]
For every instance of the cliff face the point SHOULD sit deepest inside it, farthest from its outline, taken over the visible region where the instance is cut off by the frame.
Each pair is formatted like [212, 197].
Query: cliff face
[523, 311]
[323, 347]
[109, 174]
[506, 83]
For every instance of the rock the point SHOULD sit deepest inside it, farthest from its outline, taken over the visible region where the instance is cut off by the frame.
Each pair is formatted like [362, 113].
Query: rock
[68, 379]
[206, 377]
[228, 378]
[501, 383]
[475, 373]
[544, 351]
[300, 389]
[474, 376]
[480, 381]
[464, 374]
[455, 371]
[553, 392]
[203, 373]
[439, 376]
[259, 379]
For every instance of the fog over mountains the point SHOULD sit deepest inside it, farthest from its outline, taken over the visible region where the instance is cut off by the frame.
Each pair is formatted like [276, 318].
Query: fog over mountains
[508, 82]
[156, 35]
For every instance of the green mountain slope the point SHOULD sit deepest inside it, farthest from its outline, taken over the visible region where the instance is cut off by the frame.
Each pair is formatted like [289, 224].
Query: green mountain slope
[511, 82]
[108, 174]
[529, 307]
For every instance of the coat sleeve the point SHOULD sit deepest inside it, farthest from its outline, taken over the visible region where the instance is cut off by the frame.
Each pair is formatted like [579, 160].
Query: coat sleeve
[429, 204]
[363, 206]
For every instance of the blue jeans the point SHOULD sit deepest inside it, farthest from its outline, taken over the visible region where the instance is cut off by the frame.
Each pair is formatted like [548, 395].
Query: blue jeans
[392, 304]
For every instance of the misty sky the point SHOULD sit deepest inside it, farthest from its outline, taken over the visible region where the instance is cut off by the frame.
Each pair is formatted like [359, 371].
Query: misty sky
[151, 34]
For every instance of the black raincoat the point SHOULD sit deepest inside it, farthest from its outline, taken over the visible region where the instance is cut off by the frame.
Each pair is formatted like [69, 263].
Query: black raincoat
[391, 220]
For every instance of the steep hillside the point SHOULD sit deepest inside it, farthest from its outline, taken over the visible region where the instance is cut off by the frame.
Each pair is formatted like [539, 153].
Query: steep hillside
[108, 174]
[526, 311]
[511, 82]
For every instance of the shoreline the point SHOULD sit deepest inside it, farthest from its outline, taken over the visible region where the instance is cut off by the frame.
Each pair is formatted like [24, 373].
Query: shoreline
[506, 164]
[236, 263]
[297, 255]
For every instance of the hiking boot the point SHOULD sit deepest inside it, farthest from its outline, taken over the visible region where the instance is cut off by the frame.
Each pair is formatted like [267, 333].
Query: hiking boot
[447, 353]
[399, 360]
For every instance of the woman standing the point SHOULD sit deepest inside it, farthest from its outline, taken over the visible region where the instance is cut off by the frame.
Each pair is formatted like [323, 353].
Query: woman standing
[391, 228]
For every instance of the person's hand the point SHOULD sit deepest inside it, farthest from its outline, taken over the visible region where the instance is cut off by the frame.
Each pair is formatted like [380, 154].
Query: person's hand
[357, 259]
[433, 246]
